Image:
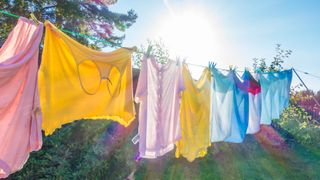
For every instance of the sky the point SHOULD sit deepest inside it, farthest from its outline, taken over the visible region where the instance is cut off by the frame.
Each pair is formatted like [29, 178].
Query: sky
[230, 32]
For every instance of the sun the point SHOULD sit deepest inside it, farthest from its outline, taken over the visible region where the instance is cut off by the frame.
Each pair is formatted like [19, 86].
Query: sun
[189, 33]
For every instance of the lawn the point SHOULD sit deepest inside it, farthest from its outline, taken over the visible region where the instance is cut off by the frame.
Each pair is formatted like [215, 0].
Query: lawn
[103, 150]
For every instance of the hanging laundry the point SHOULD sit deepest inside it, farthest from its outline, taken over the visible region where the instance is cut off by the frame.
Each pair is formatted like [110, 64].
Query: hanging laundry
[254, 91]
[195, 116]
[159, 92]
[20, 115]
[76, 82]
[222, 96]
[268, 96]
[286, 79]
[275, 91]
[240, 117]
[229, 107]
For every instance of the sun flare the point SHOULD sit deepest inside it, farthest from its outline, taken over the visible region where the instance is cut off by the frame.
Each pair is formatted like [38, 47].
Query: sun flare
[189, 33]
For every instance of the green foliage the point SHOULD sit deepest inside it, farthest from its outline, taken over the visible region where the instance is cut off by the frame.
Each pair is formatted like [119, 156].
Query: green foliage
[300, 125]
[294, 120]
[158, 50]
[75, 152]
[75, 15]
[260, 64]
[276, 63]
[278, 60]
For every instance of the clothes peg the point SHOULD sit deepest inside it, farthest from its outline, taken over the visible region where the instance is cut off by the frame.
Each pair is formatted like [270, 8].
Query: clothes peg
[233, 68]
[212, 64]
[134, 48]
[246, 69]
[258, 70]
[33, 17]
[149, 50]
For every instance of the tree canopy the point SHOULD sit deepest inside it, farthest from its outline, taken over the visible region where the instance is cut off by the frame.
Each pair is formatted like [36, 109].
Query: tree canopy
[276, 62]
[89, 17]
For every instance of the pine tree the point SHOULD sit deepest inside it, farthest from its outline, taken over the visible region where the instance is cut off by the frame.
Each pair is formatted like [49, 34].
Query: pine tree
[91, 17]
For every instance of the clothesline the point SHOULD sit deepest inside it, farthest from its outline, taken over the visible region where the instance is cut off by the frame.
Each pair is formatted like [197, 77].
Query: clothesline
[134, 48]
[94, 38]
[294, 70]
[83, 95]
[223, 109]
[315, 76]
[9, 14]
[90, 37]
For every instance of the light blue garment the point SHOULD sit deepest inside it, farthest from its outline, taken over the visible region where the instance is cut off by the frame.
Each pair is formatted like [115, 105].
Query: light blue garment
[229, 108]
[240, 117]
[221, 105]
[285, 80]
[275, 90]
[267, 81]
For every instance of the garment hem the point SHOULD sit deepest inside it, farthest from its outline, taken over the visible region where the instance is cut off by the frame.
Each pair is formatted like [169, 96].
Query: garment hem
[201, 152]
[158, 153]
[106, 117]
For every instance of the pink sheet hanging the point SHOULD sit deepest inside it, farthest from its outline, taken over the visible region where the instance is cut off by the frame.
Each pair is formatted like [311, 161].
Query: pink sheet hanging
[20, 115]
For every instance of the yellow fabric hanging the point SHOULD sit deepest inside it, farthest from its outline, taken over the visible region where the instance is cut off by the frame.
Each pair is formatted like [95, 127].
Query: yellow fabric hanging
[76, 82]
[195, 116]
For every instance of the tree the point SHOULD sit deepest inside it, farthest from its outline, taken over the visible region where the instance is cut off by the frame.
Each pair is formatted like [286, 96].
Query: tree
[259, 64]
[83, 16]
[156, 48]
[276, 63]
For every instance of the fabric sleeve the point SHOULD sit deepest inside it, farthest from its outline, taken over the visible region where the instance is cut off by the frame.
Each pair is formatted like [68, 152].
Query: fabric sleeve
[36, 122]
[141, 89]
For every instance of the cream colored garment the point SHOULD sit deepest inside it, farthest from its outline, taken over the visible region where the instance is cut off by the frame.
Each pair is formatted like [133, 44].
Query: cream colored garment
[159, 93]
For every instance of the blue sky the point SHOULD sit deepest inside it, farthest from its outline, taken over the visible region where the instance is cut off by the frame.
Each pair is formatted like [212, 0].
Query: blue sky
[240, 30]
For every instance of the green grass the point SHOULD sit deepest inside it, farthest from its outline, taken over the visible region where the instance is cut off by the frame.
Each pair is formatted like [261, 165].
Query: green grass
[103, 150]
[248, 160]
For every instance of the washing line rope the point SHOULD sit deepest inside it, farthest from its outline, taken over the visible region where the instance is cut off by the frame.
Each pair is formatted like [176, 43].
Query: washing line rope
[96, 39]
[9, 14]
[315, 100]
[90, 37]
[64, 30]
[313, 75]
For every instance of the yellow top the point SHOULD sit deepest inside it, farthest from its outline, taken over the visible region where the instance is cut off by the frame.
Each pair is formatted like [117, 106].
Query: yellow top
[76, 82]
[195, 116]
